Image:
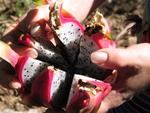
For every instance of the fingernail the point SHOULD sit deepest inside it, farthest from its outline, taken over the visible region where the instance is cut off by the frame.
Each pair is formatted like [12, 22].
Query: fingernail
[99, 57]
[15, 85]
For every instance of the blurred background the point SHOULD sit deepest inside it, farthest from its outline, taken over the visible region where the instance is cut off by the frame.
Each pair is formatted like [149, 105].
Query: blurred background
[116, 12]
[11, 10]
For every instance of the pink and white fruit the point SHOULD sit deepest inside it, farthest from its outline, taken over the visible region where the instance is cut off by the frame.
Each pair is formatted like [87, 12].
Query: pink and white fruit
[89, 44]
[49, 87]
[46, 51]
[70, 33]
[26, 68]
[86, 94]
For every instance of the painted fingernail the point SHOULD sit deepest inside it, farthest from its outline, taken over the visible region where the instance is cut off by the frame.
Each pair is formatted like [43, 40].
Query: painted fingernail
[99, 57]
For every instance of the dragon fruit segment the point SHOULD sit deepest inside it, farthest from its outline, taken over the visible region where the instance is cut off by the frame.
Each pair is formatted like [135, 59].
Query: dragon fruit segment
[70, 35]
[86, 94]
[8, 54]
[27, 68]
[46, 86]
[89, 44]
[46, 52]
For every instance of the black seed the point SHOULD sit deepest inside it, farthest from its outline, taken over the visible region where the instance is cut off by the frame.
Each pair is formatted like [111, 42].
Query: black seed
[64, 38]
[25, 69]
[71, 24]
[31, 65]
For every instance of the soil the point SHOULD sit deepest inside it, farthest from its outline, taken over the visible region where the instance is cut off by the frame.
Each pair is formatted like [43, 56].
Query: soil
[115, 11]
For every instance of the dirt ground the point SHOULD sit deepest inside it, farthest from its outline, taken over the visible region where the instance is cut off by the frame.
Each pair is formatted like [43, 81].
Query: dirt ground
[116, 12]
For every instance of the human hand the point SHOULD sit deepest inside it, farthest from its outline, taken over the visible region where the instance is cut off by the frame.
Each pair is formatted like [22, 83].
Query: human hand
[133, 69]
[36, 17]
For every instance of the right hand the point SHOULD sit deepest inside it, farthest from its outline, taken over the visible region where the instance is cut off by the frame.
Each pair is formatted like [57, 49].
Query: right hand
[133, 70]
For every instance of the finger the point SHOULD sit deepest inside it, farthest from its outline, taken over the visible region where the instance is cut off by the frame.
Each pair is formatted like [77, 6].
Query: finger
[23, 50]
[112, 78]
[112, 100]
[113, 58]
[22, 25]
[15, 84]
[104, 107]
[29, 52]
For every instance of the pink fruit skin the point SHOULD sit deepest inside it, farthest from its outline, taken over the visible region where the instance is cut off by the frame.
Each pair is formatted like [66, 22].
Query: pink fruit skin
[82, 99]
[102, 41]
[69, 18]
[42, 86]
[106, 88]
[19, 67]
[25, 40]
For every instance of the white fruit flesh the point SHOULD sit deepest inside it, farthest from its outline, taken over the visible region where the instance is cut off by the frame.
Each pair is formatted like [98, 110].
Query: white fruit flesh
[32, 68]
[70, 35]
[75, 84]
[58, 78]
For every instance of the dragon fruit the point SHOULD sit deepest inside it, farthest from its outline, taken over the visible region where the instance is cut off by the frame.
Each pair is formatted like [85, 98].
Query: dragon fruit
[51, 87]
[64, 87]
[95, 38]
[47, 52]
[26, 67]
[86, 94]
[70, 34]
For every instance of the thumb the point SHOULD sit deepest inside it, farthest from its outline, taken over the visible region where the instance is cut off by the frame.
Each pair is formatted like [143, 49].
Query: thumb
[112, 58]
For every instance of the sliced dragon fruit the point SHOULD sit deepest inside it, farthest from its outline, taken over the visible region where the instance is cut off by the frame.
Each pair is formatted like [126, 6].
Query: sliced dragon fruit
[26, 68]
[89, 44]
[69, 34]
[86, 94]
[46, 51]
[51, 88]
